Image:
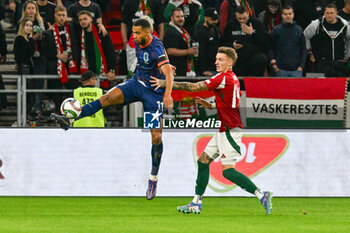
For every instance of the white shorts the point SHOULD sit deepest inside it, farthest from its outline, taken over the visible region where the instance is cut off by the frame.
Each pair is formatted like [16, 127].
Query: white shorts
[226, 145]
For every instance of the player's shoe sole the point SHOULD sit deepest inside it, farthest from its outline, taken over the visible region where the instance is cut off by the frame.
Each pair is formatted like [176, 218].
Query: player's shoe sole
[61, 120]
[266, 201]
[190, 208]
[152, 189]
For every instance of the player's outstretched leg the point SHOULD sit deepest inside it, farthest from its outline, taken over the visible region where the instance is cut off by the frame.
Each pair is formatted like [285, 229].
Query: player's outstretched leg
[202, 180]
[246, 184]
[61, 120]
[87, 110]
[156, 153]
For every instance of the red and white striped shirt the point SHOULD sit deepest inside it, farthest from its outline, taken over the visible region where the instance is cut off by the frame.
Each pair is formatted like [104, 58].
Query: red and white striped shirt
[227, 93]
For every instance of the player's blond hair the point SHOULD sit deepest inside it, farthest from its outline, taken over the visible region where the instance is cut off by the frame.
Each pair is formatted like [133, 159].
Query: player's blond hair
[230, 53]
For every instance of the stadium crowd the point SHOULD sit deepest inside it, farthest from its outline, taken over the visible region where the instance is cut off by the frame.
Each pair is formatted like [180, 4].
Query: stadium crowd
[283, 38]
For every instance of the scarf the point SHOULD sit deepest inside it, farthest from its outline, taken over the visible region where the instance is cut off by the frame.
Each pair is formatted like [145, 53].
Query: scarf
[61, 66]
[101, 64]
[190, 59]
[273, 22]
[177, 3]
[249, 7]
[144, 9]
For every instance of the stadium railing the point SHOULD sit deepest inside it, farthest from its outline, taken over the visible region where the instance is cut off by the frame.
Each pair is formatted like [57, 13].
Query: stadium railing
[21, 91]
[18, 92]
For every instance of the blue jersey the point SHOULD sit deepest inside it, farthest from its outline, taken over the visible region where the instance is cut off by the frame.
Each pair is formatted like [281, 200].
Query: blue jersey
[150, 58]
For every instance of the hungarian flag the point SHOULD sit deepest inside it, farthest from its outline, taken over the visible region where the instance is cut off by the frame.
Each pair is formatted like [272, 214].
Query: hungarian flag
[295, 103]
[188, 109]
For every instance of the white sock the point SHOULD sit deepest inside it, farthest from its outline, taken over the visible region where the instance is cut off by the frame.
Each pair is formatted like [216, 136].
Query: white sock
[197, 199]
[151, 177]
[258, 193]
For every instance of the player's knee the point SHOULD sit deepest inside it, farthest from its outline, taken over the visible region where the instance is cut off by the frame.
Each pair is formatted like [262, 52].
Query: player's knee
[106, 100]
[205, 158]
[156, 138]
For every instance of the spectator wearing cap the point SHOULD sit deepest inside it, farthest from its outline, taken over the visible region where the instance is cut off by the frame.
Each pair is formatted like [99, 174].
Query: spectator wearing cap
[178, 44]
[288, 51]
[249, 38]
[345, 12]
[271, 16]
[328, 43]
[87, 93]
[208, 37]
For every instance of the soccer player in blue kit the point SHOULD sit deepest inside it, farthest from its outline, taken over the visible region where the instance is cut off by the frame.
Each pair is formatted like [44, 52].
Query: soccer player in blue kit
[152, 61]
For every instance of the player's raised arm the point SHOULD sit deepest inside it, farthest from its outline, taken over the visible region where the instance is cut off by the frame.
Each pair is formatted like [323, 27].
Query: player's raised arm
[184, 86]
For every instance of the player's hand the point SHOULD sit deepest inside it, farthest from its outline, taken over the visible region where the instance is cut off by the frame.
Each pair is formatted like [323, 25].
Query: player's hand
[157, 83]
[173, 68]
[168, 102]
[203, 103]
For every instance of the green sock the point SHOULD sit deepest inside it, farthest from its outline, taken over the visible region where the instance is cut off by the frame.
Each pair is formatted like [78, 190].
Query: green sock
[240, 179]
[202, 178]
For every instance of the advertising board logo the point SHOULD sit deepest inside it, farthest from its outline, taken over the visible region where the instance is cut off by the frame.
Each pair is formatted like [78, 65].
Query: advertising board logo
[259, 152]
[151, 120]
[1, 176]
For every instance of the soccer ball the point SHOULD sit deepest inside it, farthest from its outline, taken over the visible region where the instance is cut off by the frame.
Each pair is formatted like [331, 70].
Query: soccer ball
[70, 108]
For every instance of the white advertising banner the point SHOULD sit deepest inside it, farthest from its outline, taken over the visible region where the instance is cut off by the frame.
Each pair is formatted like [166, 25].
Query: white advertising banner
[117, 162]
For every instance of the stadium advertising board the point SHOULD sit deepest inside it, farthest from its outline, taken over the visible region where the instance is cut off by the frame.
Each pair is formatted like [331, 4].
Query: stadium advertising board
[186, 113]
[116, 162]
[295, 103]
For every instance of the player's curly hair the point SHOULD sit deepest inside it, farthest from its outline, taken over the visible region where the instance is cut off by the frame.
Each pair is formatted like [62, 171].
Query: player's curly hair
[230, 52]
[144, 23]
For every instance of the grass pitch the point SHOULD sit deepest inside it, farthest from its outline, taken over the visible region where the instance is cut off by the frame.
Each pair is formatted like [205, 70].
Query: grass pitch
[119, 214]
